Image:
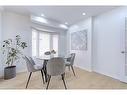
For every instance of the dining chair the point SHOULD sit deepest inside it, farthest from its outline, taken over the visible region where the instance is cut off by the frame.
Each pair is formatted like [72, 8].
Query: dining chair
[55, 67]
[32, 67]
[70, 62]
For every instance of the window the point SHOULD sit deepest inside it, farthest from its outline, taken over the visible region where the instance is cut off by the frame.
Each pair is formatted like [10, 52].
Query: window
[42, 42]
[55, 43]
[34, 43]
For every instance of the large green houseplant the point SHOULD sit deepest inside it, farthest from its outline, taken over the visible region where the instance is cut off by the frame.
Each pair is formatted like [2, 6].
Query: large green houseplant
[12, 51]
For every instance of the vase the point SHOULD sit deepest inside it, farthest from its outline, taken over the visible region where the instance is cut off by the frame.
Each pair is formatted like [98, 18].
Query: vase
[9, 72]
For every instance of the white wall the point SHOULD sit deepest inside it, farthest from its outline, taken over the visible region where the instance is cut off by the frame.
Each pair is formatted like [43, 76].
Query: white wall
[83, 58]
[108, 42]
[48, 28]
[0, 38]
[62, 43]
[17, 24]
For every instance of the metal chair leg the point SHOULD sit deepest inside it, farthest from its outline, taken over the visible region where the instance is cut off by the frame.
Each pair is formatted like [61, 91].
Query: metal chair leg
[48, 81]
[45, 70]
[28, 79]
[42, 76]
[63, 75]
[69, 68]
[73, 70]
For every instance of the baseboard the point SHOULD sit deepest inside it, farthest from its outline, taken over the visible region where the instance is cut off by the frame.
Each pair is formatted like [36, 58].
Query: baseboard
[1, 76]
[83, 68]
[21, 71]
[98, 72]
[114, 77]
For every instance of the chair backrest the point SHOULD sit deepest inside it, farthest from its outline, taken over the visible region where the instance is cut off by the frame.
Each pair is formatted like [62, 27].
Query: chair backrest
[31, 60]
[30, 65]
[55, 66]
[72, 58]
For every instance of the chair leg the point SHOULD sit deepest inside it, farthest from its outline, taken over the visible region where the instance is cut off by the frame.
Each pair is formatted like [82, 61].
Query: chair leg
[69, 68]
[73, 70]
[63, 75]
[42, 76]
[45, 70]
[48, 81]
[28, 79]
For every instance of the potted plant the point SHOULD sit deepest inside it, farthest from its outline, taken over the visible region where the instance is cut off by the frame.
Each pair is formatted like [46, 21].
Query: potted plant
[12, 51]
[52, 53]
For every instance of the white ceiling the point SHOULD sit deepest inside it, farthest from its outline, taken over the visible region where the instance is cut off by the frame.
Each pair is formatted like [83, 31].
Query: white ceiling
[61, 14]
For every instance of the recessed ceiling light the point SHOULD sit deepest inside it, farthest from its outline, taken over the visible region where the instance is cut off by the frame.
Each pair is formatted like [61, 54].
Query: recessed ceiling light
[40, 19]
[63, 26]
[66, 23]
[42, 15]
[83, 13]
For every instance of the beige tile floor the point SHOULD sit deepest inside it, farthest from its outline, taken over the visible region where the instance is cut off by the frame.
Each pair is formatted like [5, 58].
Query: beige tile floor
[82, 80]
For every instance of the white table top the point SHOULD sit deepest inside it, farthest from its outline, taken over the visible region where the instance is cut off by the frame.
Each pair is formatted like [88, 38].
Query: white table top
[47, 57]
[44, 57]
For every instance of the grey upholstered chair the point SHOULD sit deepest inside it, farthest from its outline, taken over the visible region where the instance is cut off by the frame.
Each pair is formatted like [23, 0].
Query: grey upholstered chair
[55, 67]
[32, 67]
[70, 61]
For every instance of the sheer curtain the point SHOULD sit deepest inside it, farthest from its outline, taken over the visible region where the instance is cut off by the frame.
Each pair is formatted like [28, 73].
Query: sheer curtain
[55, 43]
[34, 42]
[43, 41]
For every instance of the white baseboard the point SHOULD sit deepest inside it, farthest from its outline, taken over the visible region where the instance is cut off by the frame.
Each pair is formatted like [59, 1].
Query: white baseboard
[83, 68]
[98, 72]
[114, 77]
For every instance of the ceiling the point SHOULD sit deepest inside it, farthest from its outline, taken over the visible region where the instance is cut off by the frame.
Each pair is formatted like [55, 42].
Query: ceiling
[61, 14]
